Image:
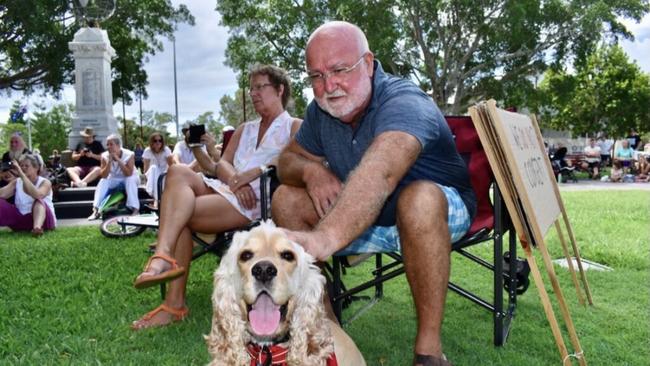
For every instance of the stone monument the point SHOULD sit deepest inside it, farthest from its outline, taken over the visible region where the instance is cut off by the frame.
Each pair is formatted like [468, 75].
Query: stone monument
[92, 52]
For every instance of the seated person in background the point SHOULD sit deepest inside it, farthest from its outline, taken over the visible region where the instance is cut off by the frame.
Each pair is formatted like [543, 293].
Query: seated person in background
[87, 155]
[625, 155]
[156, 158]
[643, 167]
[32, 208]
[17, 148]
[634, 139]
[193, 202]
[117, 169]
[616, 175]
[374, 166]
[138, 150]
[606, 145]
[182, 153]
[592, 158]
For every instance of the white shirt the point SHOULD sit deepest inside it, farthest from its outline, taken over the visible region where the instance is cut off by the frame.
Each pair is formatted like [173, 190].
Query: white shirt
[593, 154]
[116, 171]
[158, 159]
[24, 202]
[185, 153]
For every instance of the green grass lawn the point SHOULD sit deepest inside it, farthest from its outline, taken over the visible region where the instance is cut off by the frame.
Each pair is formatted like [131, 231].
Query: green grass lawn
[67, 299]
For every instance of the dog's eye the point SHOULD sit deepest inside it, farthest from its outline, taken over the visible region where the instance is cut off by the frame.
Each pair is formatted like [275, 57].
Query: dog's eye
[245, 255]
[287, 256]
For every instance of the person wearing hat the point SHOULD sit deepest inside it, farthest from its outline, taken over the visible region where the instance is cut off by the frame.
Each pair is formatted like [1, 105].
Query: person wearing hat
[87, 155]
[183, 153]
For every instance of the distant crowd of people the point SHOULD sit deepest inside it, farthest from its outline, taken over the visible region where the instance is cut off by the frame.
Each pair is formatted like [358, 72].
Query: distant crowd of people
[109, 167]
[623, 160]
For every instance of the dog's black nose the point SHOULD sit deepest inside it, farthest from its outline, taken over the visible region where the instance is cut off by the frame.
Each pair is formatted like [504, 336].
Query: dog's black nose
[264, 271]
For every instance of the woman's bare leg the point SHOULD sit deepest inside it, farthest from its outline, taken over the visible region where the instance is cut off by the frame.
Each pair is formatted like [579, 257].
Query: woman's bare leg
[212, 214]
[182, 187]
[38, 215]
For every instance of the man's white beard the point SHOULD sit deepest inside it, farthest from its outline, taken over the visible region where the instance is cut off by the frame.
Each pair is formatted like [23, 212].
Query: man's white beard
[349, 104]
[15, 155]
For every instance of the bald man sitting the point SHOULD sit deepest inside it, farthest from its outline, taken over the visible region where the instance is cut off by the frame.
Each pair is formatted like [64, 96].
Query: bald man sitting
[374, 168]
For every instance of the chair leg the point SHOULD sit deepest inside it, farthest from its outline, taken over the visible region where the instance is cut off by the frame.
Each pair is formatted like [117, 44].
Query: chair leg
[379, 287]
[337, 306]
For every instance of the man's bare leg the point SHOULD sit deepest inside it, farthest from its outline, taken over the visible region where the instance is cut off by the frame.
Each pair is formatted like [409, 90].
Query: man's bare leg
[73, 173]
[292, 209]
[91, 176]
[425, 240]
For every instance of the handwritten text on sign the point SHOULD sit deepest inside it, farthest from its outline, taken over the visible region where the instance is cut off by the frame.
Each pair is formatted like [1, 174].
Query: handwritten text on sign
[526, 156]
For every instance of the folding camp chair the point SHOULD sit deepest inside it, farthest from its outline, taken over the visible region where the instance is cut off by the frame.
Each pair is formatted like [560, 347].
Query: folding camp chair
[490, 224]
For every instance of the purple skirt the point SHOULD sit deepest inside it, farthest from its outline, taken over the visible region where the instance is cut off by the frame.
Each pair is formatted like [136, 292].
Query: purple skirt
[12, 218]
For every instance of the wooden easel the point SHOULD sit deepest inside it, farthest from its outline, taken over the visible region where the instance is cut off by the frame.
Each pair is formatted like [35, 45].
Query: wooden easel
[515, 150]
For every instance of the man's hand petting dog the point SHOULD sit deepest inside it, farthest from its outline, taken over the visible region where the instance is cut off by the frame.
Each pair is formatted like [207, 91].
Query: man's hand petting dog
[317, 243]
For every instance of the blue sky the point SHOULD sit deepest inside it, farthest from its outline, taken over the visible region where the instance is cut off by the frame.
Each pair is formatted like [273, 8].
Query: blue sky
[203, 79]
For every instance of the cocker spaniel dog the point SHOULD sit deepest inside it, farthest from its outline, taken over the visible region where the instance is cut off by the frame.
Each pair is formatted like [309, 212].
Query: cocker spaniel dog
[268, 309]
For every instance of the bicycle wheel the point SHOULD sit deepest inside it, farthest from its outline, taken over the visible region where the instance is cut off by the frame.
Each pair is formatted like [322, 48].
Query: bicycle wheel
[111, 228]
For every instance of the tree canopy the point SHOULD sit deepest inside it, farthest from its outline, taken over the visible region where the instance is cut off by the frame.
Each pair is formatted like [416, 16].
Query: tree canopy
[34, 36]
[232, 108]
[458, 51]
[606, 93]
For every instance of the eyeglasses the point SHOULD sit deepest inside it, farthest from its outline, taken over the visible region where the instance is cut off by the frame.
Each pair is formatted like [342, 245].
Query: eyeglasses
[318, 78]
[154, 141]
[258, 87]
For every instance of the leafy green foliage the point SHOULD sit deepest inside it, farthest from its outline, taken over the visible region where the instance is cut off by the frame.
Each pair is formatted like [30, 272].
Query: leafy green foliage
[232, 109]
[151, 122]
[211, 124]
[606, 93]
[50, 129]
[458, 51]
[34, 36]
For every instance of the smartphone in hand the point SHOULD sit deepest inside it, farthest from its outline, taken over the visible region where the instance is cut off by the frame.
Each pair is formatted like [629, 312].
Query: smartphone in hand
[196, 131]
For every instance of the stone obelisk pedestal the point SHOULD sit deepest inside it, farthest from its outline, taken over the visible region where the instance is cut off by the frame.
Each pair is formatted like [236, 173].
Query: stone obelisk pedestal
[92, 52]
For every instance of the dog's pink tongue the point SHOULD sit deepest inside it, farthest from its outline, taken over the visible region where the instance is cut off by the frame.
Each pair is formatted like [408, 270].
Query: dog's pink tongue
[265, 315]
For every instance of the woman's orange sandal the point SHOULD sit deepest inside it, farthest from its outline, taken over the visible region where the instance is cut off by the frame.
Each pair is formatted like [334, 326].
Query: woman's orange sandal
[177, 315]
[144, 281]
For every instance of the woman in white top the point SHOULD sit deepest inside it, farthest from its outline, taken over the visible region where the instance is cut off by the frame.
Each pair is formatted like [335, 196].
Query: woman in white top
[117, 169]
[193, 202]
[32, 208]
[156, 158]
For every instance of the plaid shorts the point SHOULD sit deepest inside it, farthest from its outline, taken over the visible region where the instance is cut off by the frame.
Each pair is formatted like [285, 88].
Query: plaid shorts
[386, 238]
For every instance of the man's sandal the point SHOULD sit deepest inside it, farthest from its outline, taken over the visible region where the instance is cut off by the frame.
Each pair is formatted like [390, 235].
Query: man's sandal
[177, 315]
[428, 360]
[143, 281]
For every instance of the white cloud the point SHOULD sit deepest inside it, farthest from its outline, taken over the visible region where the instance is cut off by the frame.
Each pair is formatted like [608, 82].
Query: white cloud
[639, 50]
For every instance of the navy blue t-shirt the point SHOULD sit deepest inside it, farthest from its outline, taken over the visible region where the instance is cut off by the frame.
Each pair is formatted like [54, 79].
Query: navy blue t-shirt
[396, 105]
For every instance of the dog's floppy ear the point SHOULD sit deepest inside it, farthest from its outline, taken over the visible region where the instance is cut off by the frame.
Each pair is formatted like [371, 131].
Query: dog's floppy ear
[311, 341]
[228, 337]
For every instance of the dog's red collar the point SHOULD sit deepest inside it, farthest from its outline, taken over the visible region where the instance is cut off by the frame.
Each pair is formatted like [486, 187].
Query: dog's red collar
[275, 356]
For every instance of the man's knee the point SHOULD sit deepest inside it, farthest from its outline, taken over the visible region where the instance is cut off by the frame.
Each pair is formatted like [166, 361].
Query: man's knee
[284, 198]
[291, 205]
[422, 199]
